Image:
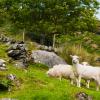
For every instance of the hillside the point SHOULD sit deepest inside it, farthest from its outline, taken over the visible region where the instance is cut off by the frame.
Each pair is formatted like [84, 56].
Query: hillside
[59, 27]
[35, 85]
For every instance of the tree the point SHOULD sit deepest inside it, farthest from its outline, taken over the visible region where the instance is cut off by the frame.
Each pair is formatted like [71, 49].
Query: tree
[51, 17]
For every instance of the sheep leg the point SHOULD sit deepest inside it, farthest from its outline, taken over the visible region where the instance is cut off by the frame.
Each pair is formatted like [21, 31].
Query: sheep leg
[98, 84]
[97, 88]
[87, 83]
[79, 81]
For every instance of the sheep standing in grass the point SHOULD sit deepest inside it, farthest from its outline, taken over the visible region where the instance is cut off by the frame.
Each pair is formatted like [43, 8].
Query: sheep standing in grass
[62, 70]
[86, 72]
[87, 81]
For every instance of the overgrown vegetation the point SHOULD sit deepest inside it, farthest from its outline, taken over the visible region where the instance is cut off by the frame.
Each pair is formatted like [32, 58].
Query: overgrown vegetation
[46, 17]
[87, 40]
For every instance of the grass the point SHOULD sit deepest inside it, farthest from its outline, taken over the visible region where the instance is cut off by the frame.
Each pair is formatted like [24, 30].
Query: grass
[35, 85]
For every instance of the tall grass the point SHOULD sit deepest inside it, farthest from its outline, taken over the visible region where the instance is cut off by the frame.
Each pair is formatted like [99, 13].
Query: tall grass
[75, 49]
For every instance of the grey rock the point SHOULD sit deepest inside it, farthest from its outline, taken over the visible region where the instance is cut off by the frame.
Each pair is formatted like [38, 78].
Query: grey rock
[21, 63]
[2, 63]
[48, 58]
[14, 54]
[3, 69]
[83, 96]
[50, 48]
[11, 77]
[18, 52]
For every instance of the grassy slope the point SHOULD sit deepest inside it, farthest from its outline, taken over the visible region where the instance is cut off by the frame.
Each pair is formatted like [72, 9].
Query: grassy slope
[37, 86]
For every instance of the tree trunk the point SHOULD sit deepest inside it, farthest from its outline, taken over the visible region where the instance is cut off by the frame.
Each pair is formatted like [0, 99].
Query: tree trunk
[24, 35]
[54, 38]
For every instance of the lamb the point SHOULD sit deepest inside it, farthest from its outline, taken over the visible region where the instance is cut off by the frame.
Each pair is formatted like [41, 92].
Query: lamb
[86, 72]
[62, 70]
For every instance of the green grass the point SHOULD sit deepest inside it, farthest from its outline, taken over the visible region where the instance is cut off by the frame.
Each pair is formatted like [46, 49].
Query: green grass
[35, 85]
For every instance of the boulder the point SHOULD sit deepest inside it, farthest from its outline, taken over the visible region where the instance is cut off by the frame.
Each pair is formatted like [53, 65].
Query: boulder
[83, 96]
[45, 57]
[2, 63]
[15, 54]
[18, 52]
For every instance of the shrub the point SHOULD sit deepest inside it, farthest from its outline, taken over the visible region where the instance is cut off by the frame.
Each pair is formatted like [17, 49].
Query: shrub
[4, 84]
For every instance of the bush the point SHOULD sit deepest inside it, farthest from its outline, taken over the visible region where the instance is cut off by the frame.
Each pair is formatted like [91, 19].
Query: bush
[87, 40]
[4, 84]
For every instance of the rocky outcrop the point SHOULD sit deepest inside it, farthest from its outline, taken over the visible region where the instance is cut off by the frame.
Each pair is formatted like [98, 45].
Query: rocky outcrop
[45, 57]
[18, 52]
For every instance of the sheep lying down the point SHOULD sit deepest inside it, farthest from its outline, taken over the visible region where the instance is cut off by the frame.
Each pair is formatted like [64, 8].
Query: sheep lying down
[62, 71]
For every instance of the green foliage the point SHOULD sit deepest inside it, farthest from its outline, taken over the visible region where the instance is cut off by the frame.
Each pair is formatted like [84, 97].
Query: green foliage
[50, 16]
[36, 85]
[87, 40]
[5, 82]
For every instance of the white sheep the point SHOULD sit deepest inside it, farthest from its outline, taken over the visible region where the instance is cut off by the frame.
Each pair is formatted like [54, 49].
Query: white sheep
[85, 63]
[87, 81]
[62, 70]
[86, 72]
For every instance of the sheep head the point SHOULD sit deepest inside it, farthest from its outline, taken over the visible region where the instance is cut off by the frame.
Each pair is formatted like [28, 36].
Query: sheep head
[75, 59]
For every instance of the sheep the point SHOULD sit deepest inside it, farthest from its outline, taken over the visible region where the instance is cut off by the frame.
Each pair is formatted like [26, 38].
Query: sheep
[86, 72]
[85, 63]
[62, 70]
[87, 81]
